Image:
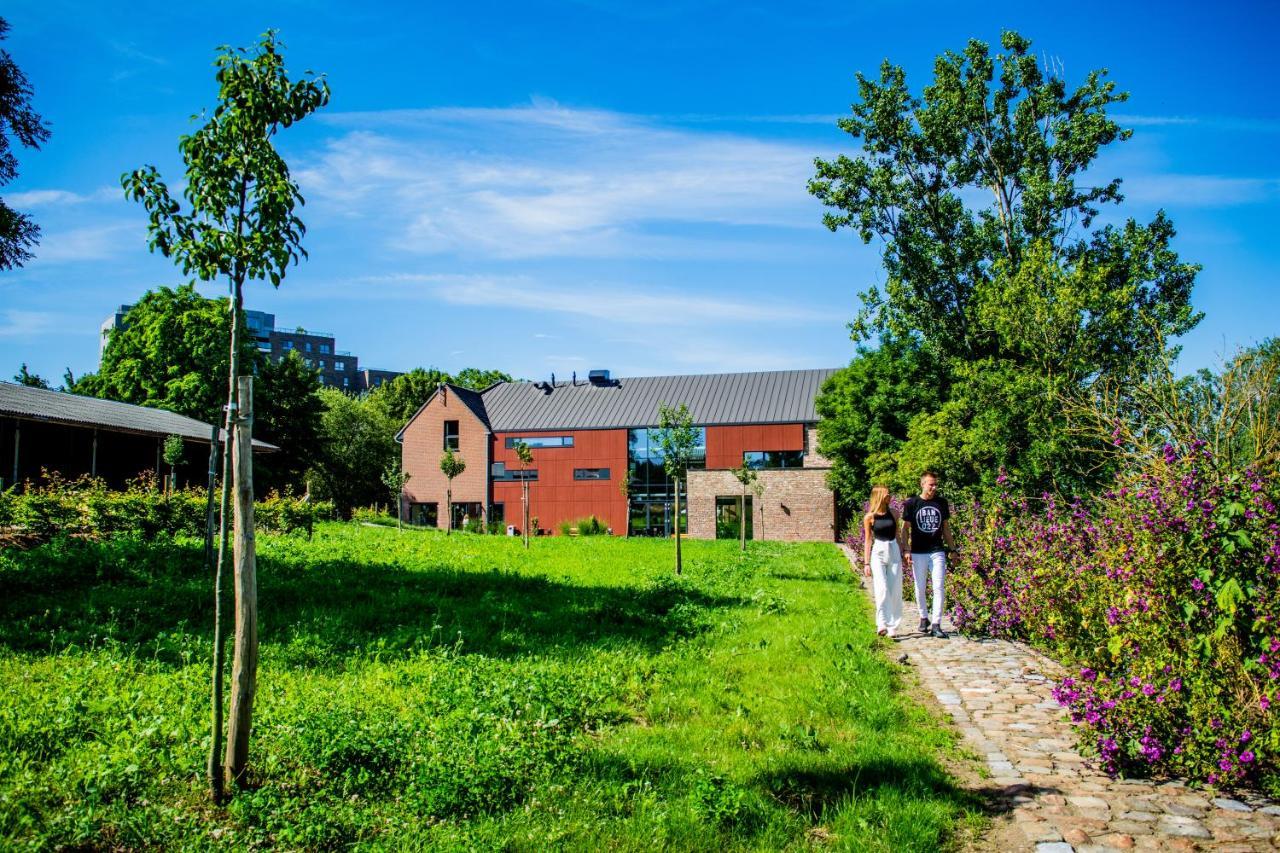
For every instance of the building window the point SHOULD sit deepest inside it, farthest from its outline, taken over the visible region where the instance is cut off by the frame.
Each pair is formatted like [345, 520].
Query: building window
[760, 459]
[450, 435]
[536, 441]
[322, 367]
[265, 346]
[727, 516]
[346, 382]
[590, 473]
[287, 345]
[466, 513]
[308, 346]
[324, 349]
[307, 361]
[501, 473]
[497, 513]
[339, 365]
[425, 514]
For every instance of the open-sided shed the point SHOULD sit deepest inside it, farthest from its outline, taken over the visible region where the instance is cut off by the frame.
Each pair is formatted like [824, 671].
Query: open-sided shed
[72, 435]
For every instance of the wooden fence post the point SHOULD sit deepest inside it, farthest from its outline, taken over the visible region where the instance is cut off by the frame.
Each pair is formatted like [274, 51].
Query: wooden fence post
[244, 666]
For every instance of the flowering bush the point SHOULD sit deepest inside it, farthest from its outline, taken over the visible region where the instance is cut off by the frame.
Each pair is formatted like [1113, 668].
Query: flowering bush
[1164, 593]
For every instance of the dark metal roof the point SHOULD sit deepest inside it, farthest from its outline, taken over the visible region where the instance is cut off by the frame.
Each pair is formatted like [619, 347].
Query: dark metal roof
[38, 404]
[782, 396]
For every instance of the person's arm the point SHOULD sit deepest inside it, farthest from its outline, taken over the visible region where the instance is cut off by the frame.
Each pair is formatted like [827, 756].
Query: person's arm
[867, 535]
[946, 535]
[904, 538]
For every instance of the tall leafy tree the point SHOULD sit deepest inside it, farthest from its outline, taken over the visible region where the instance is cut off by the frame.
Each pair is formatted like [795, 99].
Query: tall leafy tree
[357, 443]
[31, 380]
[401, 398]
[241, 226]
[477, 379]
[965, 281]
[170, 353]
[287, 414]
[18, 233]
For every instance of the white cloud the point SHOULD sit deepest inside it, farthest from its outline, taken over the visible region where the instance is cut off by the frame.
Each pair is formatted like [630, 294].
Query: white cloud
[1181, 191]
[623, 304]
[90, 243]
[25, 324]
[58, 198]
[548, 181]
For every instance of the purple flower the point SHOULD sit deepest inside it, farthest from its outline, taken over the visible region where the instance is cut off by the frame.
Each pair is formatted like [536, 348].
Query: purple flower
[1197, 584]
[1246, 757]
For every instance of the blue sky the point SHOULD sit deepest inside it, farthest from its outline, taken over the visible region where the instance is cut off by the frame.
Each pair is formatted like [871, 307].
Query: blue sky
[543, 187]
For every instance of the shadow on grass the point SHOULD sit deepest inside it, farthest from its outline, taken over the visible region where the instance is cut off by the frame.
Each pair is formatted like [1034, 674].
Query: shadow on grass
[141, 594]
[814, 793]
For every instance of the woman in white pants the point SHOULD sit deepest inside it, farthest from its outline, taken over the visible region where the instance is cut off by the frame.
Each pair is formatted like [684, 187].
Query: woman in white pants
[883, 560]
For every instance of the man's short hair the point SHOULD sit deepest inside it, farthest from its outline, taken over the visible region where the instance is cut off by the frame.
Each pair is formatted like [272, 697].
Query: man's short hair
[932, 474]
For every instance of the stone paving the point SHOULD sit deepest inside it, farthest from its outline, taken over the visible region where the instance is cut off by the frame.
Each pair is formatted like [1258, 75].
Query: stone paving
[999, 694]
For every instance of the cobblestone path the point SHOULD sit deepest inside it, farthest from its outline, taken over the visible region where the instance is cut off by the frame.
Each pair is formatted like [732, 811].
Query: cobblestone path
[999, 694]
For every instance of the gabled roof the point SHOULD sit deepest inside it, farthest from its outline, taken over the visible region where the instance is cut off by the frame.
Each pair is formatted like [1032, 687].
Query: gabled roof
[473, 400]
[715, 399]
[39, 404]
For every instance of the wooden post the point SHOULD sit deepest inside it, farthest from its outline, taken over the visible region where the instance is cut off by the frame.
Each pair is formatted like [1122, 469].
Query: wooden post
[244, 665]
[17, 437]
[677, 521]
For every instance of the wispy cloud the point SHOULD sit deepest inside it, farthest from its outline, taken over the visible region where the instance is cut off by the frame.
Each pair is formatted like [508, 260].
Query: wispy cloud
[89, 243]
[60, 198]
[623, 304]
[25, 324]
[1182, 191]
[544, 180]
[1230, 123]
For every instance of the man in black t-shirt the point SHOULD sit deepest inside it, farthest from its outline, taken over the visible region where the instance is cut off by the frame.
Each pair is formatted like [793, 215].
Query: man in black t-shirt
[926, 541]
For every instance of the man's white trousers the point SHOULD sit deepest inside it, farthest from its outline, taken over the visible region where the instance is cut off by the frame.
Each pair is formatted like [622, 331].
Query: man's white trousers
[922, 566]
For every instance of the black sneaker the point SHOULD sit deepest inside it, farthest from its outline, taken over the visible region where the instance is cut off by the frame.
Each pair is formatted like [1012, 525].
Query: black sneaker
[938, 632]
[924, 626]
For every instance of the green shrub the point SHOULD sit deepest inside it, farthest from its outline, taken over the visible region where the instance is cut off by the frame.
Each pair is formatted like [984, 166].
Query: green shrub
[1165, 593]
[86, 507]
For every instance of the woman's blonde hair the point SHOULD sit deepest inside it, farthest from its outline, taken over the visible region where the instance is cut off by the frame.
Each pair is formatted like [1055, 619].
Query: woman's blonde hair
[879, 502]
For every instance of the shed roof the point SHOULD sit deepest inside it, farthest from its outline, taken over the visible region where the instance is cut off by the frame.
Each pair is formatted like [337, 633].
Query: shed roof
[39, 404]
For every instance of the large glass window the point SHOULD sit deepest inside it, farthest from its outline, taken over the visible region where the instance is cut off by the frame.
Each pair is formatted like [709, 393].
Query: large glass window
[760, 459]
[501, 473]
[651, 490]
[536, 441]
[590, 473]
[450, 435]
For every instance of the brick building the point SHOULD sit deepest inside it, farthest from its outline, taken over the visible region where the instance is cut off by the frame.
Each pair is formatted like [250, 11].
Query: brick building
[594, 454]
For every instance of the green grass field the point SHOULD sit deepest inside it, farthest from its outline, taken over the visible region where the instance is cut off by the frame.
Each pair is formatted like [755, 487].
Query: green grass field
[417, 691]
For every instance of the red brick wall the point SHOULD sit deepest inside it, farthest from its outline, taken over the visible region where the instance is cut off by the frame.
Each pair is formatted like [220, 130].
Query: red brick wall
[726, 444]
[555, 496]
[423, 445]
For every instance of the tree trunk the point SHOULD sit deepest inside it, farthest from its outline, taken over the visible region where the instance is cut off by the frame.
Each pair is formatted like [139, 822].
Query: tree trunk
[742, 519]
[677, 521]
[244, 666]
[525, 528]
[448, 510]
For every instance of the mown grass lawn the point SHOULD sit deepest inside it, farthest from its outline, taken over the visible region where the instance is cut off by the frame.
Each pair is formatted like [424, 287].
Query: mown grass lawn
[418, 691]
